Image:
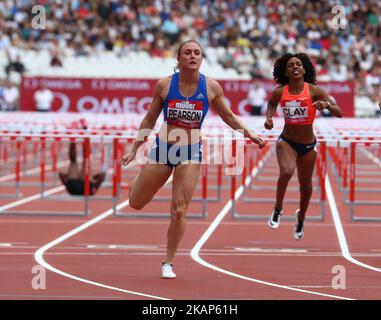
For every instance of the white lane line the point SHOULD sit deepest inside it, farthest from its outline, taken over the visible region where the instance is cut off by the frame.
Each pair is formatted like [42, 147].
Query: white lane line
[6, 245]
[160, 253]
[195, 253]
[123, 246]
[308, 286]
[268, 250]
[30, 198]
[39, 254]
[340, 231]
[371, 156]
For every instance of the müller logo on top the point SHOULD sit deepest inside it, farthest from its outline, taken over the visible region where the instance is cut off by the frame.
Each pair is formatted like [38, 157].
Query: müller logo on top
[179, 110]
[185, 105]
[295, 109]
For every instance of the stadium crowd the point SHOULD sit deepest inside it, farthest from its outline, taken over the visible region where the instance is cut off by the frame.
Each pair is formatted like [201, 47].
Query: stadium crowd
[254, 32]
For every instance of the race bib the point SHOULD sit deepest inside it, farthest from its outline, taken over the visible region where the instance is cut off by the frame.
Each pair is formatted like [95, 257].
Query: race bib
[295, 111]
[186, 113]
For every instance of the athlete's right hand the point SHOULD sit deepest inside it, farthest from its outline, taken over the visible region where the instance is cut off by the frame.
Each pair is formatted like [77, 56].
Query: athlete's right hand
[259, 141]
[269, 124]
[127, 158]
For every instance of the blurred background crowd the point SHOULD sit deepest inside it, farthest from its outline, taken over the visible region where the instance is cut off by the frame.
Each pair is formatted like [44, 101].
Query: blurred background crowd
[252, 33]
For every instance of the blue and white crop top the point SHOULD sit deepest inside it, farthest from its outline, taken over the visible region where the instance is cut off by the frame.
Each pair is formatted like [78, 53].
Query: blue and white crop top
[186, 112]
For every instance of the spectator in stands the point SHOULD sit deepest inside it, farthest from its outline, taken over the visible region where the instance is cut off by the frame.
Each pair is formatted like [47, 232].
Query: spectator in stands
[93, 27]
[43, 98]
[4, 41]
[11, 97]
[171, 30]
[15, 65]
[55, 61]
[2, 103]
[55, 54]
[226, 60]
[338, 72]
[378, 112]
[256, 71]
[376, 96]
[257, 98]
[372, 81]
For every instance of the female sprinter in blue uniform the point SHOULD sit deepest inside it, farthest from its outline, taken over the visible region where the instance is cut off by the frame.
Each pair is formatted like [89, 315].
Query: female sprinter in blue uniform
[184, 98]
[299, 98]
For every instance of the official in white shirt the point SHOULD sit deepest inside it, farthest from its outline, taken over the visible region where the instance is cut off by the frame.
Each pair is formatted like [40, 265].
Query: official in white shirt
[43, 98]
[257, 98]
[10, 96]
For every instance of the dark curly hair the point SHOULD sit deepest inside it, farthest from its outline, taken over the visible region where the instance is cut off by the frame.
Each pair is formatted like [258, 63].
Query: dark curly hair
[279, 72]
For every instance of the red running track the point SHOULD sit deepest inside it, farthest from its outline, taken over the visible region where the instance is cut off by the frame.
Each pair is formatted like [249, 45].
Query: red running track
[107, 257]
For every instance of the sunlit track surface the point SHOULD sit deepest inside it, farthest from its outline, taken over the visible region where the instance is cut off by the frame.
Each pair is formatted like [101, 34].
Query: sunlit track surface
[119, 258]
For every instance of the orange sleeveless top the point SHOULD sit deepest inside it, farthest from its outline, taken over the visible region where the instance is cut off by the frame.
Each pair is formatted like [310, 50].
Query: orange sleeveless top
[297, 108]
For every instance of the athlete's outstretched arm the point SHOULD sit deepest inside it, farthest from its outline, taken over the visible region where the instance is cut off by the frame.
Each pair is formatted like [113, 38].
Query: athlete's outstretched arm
[217, 99]
[271, 107]
[148, 121]
[323, 101]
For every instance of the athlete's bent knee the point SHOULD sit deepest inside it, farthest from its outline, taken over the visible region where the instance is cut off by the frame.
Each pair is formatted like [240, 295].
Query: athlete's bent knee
[287, 173]
[178, 210]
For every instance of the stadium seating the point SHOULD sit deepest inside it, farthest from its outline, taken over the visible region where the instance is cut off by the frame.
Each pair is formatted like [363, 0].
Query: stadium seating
[108, 64]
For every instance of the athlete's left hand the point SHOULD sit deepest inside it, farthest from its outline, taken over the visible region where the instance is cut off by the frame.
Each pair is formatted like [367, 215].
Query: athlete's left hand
[320, 105]
[258, 140]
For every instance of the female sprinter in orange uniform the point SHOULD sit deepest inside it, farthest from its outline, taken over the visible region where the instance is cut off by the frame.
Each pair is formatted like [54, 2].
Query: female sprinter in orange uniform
[299, 98]
[184, 98]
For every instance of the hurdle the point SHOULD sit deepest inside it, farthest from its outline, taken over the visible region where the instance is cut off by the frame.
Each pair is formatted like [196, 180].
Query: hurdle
[206, 173]
[341, 161]
[101, 144]
[28, 168]
[247, 179]
[118, 153]
[352, 201]
[4, 160]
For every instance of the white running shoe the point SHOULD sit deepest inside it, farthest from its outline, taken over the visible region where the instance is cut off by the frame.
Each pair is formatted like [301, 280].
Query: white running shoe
[166, 271]
[299, 227]
[274, 220]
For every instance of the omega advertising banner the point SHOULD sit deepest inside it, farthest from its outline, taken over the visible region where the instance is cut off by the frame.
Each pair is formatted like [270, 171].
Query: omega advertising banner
[99, 95]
